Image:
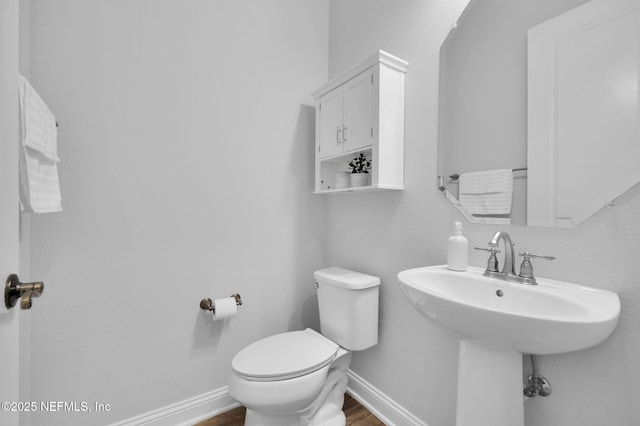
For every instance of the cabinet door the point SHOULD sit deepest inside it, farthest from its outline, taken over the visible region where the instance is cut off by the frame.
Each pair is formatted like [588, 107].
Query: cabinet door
[330, 112]
[358, 112]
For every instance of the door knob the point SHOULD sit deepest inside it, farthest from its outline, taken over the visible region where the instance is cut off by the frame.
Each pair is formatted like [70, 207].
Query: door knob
[14, 290]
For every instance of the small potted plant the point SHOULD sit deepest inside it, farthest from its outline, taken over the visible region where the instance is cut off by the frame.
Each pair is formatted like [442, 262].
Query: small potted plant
[360, 167]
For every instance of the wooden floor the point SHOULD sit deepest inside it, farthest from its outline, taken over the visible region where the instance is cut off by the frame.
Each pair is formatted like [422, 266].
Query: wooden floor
[356, 414]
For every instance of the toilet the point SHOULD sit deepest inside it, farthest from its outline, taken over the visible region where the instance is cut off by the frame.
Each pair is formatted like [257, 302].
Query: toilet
[300, 377]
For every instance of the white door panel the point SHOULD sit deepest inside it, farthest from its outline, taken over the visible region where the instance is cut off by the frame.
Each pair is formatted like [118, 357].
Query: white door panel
[583, 118]
[9, 325]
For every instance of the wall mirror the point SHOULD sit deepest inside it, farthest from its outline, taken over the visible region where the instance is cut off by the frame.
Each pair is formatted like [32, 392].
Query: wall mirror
[547, 90]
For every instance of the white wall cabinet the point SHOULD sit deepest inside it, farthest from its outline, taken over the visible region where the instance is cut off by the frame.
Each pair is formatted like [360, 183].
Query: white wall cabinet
[362, 110]
[346, 116]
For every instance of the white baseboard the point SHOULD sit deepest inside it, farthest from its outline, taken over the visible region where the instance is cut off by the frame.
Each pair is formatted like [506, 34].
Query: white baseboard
[383, 407]
[210, 404]
[187, 412]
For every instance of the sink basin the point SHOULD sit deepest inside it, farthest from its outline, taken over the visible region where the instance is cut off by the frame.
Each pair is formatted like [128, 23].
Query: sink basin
[497, 321]
[548, 318]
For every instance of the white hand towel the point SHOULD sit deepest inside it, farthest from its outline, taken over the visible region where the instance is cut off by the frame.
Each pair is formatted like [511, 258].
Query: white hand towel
[38, 154]
[488, 192]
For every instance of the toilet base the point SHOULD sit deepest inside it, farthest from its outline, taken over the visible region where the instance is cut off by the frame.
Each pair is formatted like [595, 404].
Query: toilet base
[260, 419]
[325, 410]
[253, 418]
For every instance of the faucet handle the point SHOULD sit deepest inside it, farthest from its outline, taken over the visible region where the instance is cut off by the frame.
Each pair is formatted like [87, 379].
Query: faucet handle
[526, 268]
[491, 249]
[492, 263]
[528, 256]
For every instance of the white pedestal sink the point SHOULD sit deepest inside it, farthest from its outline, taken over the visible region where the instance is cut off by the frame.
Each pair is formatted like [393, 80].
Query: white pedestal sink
[496, 322]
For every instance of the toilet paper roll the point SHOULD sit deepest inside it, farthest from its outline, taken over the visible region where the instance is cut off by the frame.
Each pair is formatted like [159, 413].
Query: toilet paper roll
[224, 308]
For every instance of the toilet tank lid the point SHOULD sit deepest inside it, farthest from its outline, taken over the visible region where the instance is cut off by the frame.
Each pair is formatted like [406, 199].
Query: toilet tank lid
[345, 278]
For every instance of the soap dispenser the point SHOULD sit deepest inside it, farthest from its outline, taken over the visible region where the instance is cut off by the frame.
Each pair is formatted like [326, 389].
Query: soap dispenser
[458, 253]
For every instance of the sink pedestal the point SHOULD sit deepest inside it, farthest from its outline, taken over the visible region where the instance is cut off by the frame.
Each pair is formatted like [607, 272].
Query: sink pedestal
[489, 385]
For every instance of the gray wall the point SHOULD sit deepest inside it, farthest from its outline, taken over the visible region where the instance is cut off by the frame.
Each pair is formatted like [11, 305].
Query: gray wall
[415, 363]
[186, 138]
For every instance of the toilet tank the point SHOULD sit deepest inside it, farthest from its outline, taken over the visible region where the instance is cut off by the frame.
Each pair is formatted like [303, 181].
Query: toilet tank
[348, 305]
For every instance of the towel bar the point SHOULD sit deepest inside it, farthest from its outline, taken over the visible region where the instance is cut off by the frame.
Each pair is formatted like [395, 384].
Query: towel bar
[456, 176]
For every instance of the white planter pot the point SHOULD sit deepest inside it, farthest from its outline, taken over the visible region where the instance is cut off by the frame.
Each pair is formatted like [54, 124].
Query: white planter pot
[359, 179]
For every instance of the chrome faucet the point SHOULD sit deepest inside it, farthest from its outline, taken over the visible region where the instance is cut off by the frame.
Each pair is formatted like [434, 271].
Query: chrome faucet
[508, 268]
[508, 272]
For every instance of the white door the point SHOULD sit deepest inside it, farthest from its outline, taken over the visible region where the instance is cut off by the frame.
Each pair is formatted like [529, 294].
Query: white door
[9, 326]
[358, 112]
[583, 111]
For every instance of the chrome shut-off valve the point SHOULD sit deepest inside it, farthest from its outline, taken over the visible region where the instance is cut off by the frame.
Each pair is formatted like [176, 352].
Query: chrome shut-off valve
[537, 385]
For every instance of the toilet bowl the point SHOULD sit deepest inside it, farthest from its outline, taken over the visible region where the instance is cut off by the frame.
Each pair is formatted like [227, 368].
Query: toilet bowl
[294, 378]
[300, 377]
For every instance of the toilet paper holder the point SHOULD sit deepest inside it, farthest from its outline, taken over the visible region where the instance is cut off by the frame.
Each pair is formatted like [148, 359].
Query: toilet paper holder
[207, 304]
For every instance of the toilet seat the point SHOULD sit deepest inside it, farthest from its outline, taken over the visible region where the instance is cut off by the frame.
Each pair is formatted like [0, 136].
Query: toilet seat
[284, 356]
